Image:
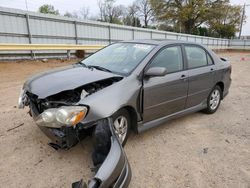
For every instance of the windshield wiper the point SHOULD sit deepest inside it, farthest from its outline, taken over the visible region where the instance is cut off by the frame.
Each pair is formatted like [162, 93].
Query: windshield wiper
[95, 67]
[83, 64]
[99, 68]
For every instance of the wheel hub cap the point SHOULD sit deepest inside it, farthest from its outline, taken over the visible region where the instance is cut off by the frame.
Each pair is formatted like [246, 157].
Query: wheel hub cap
[121, 126]
[214, 99]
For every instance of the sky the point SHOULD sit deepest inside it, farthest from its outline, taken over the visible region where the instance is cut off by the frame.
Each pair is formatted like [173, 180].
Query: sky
[74, 5]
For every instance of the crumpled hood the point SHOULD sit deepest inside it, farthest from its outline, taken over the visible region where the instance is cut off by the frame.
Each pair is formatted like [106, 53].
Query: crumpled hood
[62, 79]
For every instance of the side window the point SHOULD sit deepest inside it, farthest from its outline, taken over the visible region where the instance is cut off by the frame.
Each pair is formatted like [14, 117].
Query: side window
[196, 56]
[170, 58]
[209, 60]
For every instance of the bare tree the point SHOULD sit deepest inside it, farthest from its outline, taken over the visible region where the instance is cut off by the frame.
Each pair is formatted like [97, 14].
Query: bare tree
[109, 12]
[84, 12]
[101, 9]
[145, 11]
[131, 17]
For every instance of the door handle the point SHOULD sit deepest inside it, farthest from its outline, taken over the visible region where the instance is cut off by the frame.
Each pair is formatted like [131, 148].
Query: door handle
[183, 77]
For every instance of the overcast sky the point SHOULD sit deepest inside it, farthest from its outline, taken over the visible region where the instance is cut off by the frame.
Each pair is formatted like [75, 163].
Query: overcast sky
[74, 5]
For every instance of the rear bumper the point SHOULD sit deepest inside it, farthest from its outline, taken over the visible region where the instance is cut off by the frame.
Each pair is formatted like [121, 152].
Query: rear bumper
[225, 94]
[226, 89]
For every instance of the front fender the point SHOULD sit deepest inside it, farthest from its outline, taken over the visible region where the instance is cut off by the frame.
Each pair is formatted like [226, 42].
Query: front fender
[107, 101]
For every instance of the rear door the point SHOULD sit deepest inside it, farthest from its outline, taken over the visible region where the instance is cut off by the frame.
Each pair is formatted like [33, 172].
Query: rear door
[167, 94]
[201, 71]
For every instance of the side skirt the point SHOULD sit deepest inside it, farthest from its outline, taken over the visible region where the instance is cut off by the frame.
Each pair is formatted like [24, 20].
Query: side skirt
[154, 123]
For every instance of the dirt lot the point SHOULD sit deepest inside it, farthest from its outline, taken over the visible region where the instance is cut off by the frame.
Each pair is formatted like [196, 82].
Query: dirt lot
[194, 151]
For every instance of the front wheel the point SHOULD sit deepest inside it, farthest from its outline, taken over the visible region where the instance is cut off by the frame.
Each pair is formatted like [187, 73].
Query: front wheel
[122, 124]
[213, 100]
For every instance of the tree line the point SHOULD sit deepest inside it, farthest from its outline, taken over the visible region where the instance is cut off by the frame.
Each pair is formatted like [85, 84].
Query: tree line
[215, 18]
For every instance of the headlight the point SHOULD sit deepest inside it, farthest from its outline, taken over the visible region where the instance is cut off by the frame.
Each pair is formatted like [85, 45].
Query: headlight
[63, 116]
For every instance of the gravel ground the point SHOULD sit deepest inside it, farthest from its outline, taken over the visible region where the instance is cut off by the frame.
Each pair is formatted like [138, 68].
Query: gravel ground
[197, 150]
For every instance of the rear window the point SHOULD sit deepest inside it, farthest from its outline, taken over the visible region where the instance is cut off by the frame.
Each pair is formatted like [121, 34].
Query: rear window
[196, 56]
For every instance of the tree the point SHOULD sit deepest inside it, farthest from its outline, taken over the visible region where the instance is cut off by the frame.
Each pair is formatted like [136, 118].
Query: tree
[48, 9]
[84, 13]
[145, 11]
[187, 14]
[192, 16]
[71, 15]
[132, 21]
[224, 23]
[131, 17]
[109, 12]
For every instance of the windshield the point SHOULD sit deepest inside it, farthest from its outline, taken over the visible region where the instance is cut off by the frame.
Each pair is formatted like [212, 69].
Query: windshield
[119, 58]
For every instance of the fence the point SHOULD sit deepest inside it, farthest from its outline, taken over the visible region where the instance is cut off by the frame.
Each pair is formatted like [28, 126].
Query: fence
[239, 44]
[22, 27]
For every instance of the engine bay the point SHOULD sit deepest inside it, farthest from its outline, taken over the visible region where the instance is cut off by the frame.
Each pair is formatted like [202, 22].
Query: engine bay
[70, 97]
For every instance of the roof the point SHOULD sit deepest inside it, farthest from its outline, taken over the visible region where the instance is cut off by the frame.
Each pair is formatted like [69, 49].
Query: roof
[159, 41]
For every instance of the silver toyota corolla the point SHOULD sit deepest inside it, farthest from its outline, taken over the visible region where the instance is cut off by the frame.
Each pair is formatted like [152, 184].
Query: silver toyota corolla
[137, 84]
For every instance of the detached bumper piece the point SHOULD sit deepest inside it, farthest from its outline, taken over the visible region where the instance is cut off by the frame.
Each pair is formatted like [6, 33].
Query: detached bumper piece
[112, 167]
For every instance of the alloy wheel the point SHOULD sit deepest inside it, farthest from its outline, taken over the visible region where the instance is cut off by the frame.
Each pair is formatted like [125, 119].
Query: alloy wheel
[121, 127]
[214, 99]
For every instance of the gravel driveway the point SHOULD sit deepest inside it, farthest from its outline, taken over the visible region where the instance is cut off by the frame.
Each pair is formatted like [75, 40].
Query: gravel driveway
[197, 150]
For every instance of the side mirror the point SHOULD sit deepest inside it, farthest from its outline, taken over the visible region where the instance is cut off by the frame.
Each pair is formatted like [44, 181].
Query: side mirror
[156, 71]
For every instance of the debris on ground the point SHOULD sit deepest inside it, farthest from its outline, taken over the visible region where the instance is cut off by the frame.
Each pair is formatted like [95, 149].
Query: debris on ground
[205, 150]
[15, 127]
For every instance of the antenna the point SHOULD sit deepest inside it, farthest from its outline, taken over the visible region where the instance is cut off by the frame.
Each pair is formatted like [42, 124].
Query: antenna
[26, 3]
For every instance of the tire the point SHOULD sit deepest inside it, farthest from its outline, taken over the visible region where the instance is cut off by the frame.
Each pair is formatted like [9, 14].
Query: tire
[122, 130]
[213, 100]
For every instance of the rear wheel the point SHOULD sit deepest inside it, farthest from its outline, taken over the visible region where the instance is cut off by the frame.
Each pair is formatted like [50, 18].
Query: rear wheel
[213, 100]
[122, 124]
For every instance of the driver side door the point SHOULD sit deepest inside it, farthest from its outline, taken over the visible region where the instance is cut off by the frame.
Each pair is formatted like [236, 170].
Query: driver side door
[165, 95]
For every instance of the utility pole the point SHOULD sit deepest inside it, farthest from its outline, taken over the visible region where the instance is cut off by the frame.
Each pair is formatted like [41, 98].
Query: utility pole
[242, 18]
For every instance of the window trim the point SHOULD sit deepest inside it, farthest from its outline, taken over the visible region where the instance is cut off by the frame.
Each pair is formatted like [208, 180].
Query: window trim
[197, 46]
[160, 50]
[208, 55]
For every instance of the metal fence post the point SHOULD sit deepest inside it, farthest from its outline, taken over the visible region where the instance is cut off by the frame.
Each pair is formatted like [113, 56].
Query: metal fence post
[109, 28]
[133, 34]
[76, 32]
[151, 34]
[29, 34]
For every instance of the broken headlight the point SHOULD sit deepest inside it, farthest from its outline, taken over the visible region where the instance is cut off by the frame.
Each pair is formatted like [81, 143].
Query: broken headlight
[63, 116]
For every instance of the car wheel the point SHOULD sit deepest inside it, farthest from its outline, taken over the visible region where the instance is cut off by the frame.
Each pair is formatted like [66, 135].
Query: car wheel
[213, 100]
[122, 124]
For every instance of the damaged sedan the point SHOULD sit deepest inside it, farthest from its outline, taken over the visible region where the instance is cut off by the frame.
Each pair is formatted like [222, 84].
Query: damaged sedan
[137, 85]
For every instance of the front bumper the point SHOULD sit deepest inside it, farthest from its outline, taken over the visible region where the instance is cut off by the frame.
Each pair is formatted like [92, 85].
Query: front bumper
[63, 138]
[114, 169]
